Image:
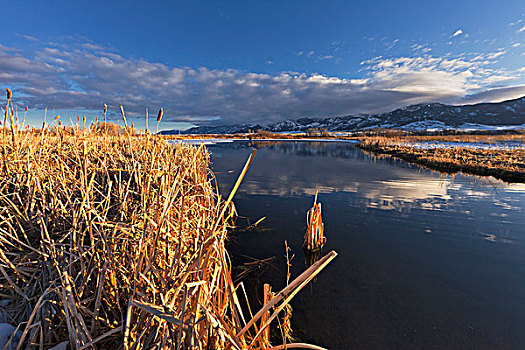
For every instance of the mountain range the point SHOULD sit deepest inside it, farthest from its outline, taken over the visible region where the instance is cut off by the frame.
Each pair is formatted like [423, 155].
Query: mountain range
[425, 116]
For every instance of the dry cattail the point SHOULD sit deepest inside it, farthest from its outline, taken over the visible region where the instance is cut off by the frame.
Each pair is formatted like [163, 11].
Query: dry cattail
[159, 117]
[60, 122]
[57, 117]
[26, 108]
[9, 93]
[123, 115]
[105, 108]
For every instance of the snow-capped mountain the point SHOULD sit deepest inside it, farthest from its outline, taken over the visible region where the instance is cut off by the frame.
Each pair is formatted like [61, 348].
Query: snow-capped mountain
[437, 116]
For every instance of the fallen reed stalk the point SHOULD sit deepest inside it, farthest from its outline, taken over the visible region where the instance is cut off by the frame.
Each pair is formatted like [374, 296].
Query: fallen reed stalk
[118, 242]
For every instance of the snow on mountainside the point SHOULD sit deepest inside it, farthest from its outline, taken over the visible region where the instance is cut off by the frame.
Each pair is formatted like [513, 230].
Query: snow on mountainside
[431, 116]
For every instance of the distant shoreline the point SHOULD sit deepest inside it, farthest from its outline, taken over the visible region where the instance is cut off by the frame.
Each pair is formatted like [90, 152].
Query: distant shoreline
[507, 164]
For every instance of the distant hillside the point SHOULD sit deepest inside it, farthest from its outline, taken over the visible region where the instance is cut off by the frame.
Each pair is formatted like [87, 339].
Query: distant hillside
[415, 117]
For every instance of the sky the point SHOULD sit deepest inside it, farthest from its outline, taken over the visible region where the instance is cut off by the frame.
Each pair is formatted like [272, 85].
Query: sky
[225, 62]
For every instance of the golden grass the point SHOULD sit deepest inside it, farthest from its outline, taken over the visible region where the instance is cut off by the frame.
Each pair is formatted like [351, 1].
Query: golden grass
[504, 164]
[487, 138]
[109, 241]
[253, 136]
[314, 238]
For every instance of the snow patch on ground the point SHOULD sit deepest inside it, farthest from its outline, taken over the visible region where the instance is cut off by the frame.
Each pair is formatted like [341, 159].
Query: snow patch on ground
[503, 145]
[215, 141]
[199, 141]
[425, 125]
[477, 127]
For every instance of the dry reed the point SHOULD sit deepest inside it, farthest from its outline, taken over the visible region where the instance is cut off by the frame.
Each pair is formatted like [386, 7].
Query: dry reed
[114, 242]
[504, 164]
[314, 238]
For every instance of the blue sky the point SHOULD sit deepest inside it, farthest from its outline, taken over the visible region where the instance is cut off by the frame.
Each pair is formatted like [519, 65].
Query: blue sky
[221, 62]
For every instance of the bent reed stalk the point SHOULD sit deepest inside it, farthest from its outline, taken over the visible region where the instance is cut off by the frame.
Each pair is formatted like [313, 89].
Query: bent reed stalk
[109, 241]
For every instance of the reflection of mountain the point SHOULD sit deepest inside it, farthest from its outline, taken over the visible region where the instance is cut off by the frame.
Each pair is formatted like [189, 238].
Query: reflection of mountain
[309, 148]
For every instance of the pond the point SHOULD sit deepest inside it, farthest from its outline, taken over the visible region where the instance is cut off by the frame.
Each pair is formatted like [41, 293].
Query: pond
[426, 260]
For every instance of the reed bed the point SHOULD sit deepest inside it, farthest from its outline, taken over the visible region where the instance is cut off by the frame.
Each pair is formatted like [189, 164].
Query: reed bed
[515, 135]
[504, 164]
[109, 241]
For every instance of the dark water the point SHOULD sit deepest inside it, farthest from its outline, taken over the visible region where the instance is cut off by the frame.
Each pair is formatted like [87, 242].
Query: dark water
[426, 261]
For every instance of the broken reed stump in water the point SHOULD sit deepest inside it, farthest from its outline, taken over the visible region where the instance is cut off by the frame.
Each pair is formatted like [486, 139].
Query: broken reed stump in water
[314, 238]
[265, 337]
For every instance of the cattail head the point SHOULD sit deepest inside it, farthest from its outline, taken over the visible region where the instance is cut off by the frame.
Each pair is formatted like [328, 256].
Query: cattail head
[123, 115]
[26, 108]
[60, 122]
[57, 117]
[9, 93]
[159, 117]
[105, 108]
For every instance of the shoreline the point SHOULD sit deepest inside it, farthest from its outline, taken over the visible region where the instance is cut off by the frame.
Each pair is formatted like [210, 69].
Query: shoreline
[495, 163]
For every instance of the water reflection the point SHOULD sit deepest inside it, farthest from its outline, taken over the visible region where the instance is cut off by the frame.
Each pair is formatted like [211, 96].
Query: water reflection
[426, 260]
[289, 169]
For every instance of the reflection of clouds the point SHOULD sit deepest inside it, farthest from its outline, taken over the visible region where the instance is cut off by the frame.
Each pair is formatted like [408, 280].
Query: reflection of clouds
[412, 189]
[518, 188]
[494, 238]
[285, 189]
[293, 169]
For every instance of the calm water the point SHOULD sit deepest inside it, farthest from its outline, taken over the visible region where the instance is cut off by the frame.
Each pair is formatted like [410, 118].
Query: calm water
[425, 260]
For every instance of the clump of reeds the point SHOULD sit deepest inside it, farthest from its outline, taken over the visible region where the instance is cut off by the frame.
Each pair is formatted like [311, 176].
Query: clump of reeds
[113, 242]
[504, 164]
[314, 238]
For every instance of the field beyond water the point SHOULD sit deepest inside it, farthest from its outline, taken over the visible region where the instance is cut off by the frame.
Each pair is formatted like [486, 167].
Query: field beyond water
[115, 241]
[500, 156]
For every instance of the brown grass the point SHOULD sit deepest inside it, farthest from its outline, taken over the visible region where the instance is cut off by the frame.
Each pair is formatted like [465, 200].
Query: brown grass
[504, 164]
[260, 134]
[115, 242]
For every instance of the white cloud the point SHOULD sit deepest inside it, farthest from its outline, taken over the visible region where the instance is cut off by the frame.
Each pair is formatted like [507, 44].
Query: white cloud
[457, 32]
[29, 37]
[496, 54]
[521, 29]
[84, 77]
